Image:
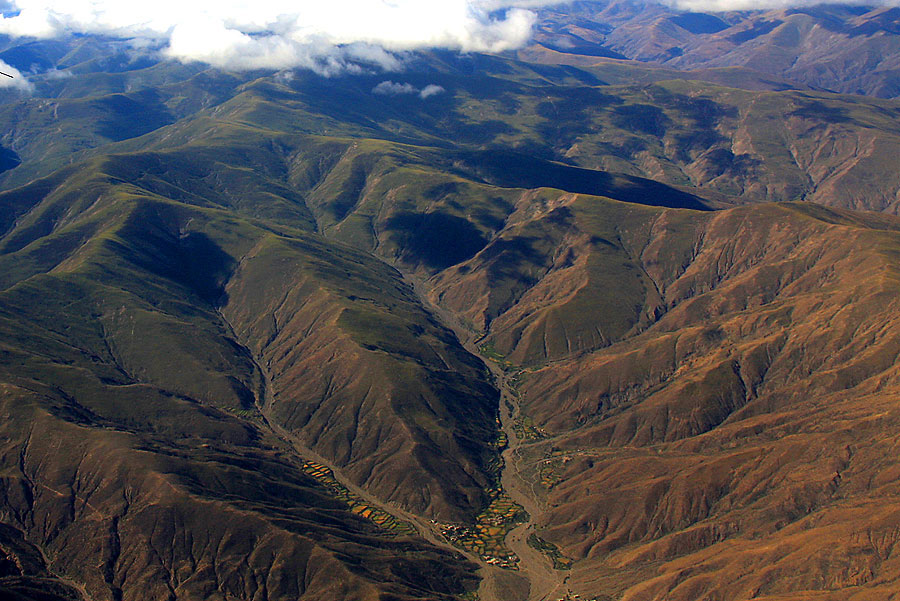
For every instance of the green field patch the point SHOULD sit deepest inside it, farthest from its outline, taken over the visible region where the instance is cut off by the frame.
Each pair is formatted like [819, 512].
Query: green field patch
[502, 440]
[486, 536]
[560, 561]
[549, 477]
[525, 429]
[488, 351]
[323, 475]
[551, 468]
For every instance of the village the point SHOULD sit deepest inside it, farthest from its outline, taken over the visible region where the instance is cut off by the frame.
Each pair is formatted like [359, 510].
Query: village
[486, 537]
[575, 597]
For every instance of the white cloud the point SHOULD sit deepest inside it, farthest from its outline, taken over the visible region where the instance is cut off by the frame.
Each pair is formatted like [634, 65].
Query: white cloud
[56, 74]
[431, 90]
[278, 34]
[17, 81]
[390, 88]
[491, 5]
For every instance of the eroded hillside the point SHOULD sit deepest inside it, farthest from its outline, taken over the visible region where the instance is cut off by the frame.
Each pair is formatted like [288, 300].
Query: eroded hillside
[139, 385]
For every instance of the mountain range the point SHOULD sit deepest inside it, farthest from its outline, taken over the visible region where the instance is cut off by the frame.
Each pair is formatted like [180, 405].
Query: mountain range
[850, 49]
[613, 315]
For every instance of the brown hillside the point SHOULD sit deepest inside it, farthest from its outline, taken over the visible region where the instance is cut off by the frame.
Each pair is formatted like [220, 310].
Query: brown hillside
[737, 441]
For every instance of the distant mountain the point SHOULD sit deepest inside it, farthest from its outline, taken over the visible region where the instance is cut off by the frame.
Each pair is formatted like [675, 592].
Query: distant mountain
[748, 145]
[842, 48]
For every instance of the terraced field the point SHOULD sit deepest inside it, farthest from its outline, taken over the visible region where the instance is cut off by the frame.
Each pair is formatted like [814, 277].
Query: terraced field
[525, 429]
[358, 506]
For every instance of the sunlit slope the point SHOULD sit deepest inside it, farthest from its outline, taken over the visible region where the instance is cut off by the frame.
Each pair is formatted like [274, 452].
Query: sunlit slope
[698, 320]
[357, 190]
[72, 115]
[719, 409]
[179, 301]
[690, 354]
[562, 278]
[780, 146]
[189, 293]
[757, 145]
[840, 47]
[359, 291]
[366, 376]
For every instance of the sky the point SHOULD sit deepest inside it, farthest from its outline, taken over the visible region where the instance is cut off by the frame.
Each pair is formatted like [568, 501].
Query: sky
[328, 36]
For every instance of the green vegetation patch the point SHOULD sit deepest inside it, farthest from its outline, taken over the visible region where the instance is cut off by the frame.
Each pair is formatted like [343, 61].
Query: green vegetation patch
[323, 475]
[550, 473]
[488, 351]
[560, 561]
[525, 429]
[486, 537]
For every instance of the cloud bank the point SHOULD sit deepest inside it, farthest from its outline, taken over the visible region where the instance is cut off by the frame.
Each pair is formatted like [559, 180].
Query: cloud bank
[327, 36]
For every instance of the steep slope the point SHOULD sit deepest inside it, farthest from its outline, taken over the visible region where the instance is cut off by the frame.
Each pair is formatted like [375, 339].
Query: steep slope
[789, 145]
[685, 333]
[25, 575]
[739, 145]
[214, 375]
[53, 128]
[366, 376]
[774, 146]
[259, 327]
